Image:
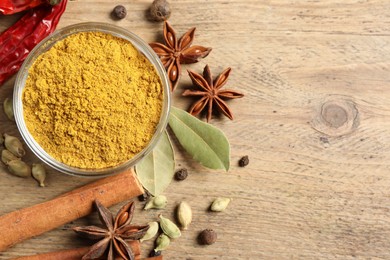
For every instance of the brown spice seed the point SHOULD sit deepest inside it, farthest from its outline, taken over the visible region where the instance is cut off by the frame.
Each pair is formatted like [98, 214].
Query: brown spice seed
[181, 174]
[123, 218]
[244, 161]
[207, 237]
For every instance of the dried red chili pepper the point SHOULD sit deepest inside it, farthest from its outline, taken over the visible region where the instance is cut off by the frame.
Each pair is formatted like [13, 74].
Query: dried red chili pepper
[16, 6]
[17, 41]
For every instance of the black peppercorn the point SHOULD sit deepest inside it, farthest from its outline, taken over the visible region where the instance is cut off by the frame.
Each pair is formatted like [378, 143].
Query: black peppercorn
[160, 10]
[144, 197]
[244, 161]
[207, 237]
[181, 174]
[119, 12]
[155, 253]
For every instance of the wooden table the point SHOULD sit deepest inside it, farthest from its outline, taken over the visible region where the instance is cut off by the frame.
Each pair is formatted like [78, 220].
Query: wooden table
[315, 122]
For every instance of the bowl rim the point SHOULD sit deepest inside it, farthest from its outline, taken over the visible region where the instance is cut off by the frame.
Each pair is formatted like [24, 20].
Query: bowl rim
[44, 46]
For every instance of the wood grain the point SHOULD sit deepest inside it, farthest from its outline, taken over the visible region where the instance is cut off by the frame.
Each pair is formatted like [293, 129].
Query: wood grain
[317, 186]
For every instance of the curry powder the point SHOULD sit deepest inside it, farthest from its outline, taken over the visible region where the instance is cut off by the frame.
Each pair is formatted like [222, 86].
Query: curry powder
[92, 100]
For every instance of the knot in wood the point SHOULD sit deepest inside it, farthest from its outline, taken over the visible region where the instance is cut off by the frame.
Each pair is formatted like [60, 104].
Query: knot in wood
[335, 116]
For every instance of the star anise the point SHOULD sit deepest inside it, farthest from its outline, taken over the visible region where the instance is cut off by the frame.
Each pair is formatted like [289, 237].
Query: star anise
[113, 237]
[210, 93]
[176, 52]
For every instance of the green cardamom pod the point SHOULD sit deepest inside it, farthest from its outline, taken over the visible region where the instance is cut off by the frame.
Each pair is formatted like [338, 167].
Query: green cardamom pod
[7, 156]
[39, 173]
[162, 242]
[184, 214]
[169, 228]
[152, 231]
[8, 109]
[19, 168]
[158, 202]
[14, 145]
[220, 204]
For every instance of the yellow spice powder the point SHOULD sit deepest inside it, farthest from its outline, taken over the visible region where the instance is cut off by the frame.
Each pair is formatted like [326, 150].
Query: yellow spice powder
[92, 100]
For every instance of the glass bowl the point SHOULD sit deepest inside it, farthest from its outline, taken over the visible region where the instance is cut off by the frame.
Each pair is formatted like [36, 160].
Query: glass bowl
[44, 46]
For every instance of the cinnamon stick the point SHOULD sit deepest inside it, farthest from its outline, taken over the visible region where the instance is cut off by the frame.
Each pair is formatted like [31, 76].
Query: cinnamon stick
[76, 253]
[32, 221]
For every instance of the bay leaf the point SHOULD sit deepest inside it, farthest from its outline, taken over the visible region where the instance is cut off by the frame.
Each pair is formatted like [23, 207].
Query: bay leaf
[205, 143]
[156, 170]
